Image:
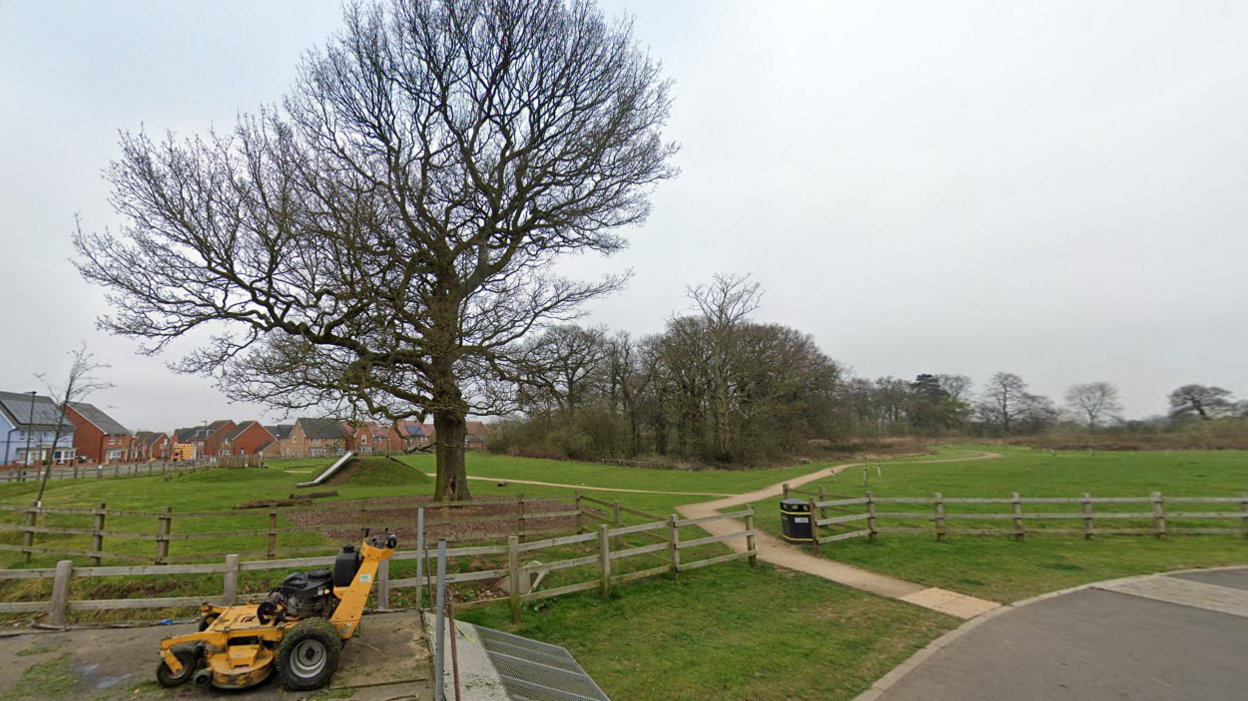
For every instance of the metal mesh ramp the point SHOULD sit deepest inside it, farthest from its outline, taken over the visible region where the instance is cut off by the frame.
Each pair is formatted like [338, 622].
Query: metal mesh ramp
[536, 671]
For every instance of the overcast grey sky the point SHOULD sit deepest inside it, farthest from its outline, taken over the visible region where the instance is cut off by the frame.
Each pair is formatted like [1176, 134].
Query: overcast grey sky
[1056, 189]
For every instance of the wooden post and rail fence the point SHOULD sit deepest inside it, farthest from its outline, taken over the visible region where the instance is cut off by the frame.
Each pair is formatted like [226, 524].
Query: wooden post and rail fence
[606, 563]
[152, 468]
[862, 517]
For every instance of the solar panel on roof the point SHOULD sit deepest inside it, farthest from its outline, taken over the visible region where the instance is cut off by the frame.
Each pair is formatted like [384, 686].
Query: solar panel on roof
[19, 407]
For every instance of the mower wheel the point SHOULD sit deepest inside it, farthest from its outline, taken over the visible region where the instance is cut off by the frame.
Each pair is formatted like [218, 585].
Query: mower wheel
[186, 655]
[308, 655]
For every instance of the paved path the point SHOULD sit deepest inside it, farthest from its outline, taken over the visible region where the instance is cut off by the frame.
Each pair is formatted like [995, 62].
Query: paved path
[582, 487]
[1158, 638]
[777, 552]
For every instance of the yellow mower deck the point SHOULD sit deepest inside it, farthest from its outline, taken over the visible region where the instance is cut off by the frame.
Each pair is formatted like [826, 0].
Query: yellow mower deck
[240, 651]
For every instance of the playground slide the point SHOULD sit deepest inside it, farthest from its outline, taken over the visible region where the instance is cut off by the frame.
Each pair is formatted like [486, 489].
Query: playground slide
[328, 473]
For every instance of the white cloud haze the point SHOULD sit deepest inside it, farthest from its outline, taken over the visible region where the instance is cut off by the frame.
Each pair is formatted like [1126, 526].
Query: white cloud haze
[1054, 189]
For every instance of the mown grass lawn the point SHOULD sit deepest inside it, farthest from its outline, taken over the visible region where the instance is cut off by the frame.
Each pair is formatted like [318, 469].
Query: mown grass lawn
[730, 633]
[1001, 569]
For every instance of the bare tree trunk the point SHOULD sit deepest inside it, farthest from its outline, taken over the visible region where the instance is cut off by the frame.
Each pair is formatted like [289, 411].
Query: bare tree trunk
[452, 483]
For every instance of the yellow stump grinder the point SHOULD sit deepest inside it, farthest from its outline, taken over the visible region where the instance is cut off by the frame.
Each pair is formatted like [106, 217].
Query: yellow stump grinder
[299, 629]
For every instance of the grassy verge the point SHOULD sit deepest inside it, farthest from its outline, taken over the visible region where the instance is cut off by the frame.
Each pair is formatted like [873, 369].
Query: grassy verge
[728, 633]
[1001, 569]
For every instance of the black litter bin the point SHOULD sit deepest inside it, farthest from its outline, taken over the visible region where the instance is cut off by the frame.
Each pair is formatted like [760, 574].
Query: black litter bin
[795, 520]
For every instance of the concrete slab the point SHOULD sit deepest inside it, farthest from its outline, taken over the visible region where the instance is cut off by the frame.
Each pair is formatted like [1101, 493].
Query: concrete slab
[388, 659]
[1187, 593]
[1092, 645]
[950, 602]
[1233, 578]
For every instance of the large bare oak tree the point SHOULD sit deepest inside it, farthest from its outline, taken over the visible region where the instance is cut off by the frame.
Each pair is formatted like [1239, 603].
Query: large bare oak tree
[383, 240]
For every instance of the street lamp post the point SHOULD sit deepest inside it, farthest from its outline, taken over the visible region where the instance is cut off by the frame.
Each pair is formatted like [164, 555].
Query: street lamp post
[29, 429]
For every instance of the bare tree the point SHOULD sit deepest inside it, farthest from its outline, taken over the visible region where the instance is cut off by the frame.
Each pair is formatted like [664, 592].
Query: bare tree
[80, 383]
[1003, 401]
[384, 239]
[1207, 402]
[723, 306]
[958, 387]
[1093, 402]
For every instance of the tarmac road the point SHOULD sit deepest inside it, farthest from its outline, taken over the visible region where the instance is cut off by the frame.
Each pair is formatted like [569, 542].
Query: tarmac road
[1162, 638]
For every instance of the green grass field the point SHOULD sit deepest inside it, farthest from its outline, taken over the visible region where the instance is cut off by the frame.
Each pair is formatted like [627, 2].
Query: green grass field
[729, 631]
[1001, 569]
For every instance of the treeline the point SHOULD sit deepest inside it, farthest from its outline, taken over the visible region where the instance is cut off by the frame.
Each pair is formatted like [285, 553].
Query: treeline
[716, 387]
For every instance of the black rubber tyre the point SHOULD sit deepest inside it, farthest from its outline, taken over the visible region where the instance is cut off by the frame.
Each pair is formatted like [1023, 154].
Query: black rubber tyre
[308, 655]
[205, 621]
[186, 655]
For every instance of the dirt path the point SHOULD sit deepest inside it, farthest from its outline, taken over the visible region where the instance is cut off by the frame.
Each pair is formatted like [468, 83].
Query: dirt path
[777, 552]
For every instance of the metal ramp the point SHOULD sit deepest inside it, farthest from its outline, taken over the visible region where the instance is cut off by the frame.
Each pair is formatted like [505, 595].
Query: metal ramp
[536, 671]
[328, 473]
[498, 666]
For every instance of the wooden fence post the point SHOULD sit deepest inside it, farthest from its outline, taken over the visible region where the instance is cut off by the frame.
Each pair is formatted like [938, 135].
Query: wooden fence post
[60, 592]
[939, 502]
[619, 539]
[871, 536]
[1016, 502]
[97, 536]
[363, 520]
[823, 511]
[164, 524]
[28, 537]
[513, 575]
[814, 525]
[784, 488]
[383, 584]
[1159, 514]
[749, 538]
[604, 547]
[520, 526]
[1243, 521]
[229, 593]
[580, 510]
[1089, 525]
[674, 542]
[272, 554]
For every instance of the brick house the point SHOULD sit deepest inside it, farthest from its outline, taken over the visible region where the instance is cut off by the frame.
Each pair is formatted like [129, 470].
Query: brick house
[97, 436]
[247, 438]
[412, 435]
[372, 437]
[474, 438]
[150, 445]
[319, 438]
[206, 439]
[281, 434]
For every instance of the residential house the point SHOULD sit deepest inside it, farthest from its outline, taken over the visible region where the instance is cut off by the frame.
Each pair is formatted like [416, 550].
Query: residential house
[28, 419]
[412, 434]
[206, 439]
[319, 437]
[474, 439]
[150, 445]
[248, 438]
[372, 437]
[281, 434]
[97, 436]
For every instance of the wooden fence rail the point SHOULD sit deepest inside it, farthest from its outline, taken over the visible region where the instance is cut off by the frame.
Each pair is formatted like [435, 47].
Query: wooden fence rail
[163, 522]
[65, 571]
[1160, 513]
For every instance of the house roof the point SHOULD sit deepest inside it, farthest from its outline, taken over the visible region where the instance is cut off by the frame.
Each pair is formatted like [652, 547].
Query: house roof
[17, 408]
[476, 428]
[281, 431]
[239, 429]
[102, 421]
[145, 438]
[195, 433]
[377, 429]
[409, 429]
[323, 428]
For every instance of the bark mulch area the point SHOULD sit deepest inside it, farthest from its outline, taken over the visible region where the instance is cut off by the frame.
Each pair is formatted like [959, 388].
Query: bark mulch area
[400, 514]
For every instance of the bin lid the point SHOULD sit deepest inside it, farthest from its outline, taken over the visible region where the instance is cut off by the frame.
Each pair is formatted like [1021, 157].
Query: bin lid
[791, 503]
